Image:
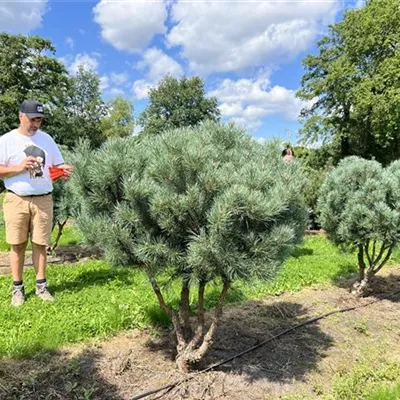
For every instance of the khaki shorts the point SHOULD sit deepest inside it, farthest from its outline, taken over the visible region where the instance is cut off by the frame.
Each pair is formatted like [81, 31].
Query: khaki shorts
[26, 216]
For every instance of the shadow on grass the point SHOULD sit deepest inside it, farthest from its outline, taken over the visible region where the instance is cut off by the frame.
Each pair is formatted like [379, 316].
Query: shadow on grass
[246, 325]
[55, 376]
[94, 278]
[301, 252]
[346, 273]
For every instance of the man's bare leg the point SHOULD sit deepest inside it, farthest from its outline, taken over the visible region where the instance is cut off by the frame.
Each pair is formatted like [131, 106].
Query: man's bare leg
[17, 259]
[39, 257]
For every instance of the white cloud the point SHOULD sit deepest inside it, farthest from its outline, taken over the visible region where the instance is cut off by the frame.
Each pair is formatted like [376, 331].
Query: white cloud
[141, 88]
[84, 60]
[156, 65]
[217, 36]
[22, 17]
[130, 26]
[247, 101]
[116, 92]
[360, 3]
[69, 42]
[111, 84]
[159, 64]
[119, 79]
[104, 83]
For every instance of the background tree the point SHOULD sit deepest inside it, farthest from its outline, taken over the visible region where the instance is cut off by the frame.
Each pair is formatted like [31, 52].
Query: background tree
[318, 162]
[355, 83]
[119, 121]
[63, 201]
[28, 69]
[206, 205]
[359, 209]
[81, 111]
[176, 103]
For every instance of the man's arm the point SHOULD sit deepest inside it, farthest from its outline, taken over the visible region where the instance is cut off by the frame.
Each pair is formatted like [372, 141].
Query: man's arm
[8, 172]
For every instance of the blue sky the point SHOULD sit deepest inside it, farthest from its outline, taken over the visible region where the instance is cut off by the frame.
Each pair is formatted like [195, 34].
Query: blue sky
[248, 52]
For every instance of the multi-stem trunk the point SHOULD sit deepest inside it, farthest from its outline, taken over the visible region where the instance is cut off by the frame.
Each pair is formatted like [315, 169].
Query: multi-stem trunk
[375, 264]
[191, 343]
[202, 339]
[60, 226]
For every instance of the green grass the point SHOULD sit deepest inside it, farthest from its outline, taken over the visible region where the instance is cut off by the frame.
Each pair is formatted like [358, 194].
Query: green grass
[316, 262]
[373, 379]
[368, 381]
[94, 300]
[385, 393]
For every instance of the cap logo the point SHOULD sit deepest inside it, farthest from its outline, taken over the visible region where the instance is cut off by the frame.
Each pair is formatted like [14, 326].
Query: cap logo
[39, 108]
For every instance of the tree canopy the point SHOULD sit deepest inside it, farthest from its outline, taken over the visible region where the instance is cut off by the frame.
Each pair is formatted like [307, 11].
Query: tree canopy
[359, 209]
[119, 122]
[197, 205]
[28, 69]
[80, 114]
[177, 103]
[74, 107]
[354, 82]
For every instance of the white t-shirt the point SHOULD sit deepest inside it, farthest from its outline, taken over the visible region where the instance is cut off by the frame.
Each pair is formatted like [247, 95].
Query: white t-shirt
[15, 147]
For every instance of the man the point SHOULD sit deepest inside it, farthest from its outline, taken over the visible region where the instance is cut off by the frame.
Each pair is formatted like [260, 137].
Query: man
[26, 153]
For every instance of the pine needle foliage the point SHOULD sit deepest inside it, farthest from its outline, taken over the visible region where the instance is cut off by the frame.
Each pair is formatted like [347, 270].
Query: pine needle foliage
[359, 208]
[203, 204]
[63, 201]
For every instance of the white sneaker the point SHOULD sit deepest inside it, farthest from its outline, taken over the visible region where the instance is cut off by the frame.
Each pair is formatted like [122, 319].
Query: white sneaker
[43, 293]
[18, 296]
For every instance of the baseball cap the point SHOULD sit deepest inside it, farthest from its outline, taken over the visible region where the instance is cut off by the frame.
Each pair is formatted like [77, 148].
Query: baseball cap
[32, 108]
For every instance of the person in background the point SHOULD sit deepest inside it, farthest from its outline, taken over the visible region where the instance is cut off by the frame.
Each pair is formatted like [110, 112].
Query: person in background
[288, 155]
[26, 153]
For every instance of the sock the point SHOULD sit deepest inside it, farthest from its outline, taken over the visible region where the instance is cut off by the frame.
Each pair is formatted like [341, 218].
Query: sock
[18, 285]
[41, 282]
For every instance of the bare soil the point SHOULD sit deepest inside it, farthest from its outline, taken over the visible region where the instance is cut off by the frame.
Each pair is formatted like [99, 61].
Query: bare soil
[301, 363]
[62, 255]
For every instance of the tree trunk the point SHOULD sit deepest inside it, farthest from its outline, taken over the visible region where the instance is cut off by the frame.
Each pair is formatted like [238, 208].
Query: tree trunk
[344, 146]
[191, 354]
[191, 350]
[344, 132]
[61, 227]
[185, 309]
[361, 263]
[362, 287]
[58, 237]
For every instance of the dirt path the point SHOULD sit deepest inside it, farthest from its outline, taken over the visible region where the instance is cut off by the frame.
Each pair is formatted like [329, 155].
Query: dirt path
[302, 363]
[62, 255]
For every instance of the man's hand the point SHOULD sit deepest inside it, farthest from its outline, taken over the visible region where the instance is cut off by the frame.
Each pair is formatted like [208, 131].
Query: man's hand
[9, 171]
[29, 162]
[67, 170]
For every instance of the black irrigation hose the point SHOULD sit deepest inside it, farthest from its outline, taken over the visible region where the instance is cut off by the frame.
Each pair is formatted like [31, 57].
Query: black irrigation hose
[284, 332]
